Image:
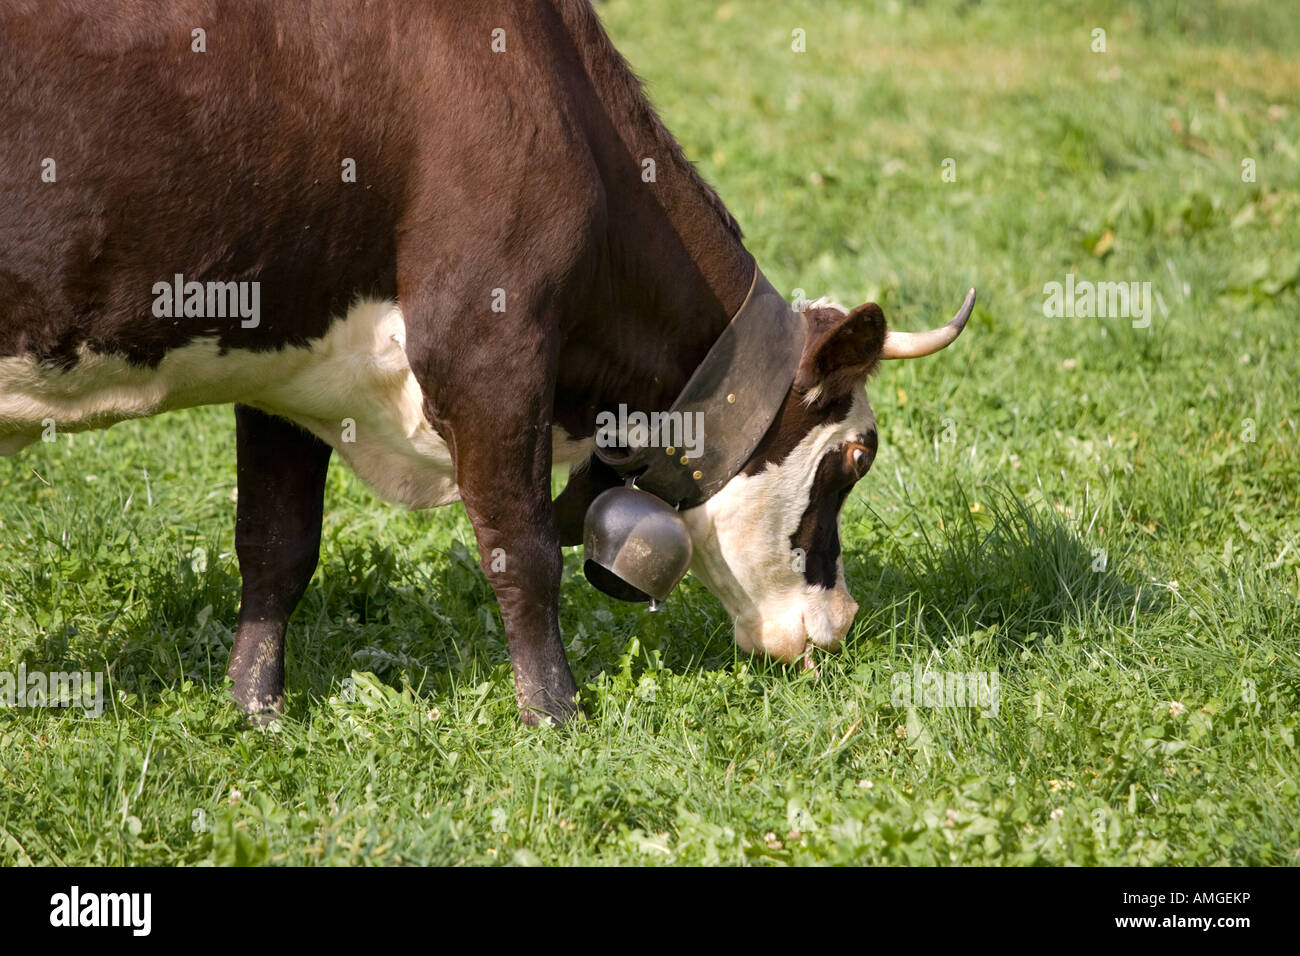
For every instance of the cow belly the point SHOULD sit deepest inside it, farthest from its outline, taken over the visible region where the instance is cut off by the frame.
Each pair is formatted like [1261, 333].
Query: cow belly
[356, 392]
[353, 388]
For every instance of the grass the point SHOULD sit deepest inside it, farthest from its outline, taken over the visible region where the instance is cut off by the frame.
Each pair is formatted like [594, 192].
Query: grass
[1102, 516]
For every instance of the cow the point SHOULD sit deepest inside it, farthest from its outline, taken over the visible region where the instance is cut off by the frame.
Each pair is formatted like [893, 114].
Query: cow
[422, 236]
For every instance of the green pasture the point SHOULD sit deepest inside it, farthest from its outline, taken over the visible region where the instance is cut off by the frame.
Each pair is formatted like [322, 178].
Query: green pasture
[1103, 518]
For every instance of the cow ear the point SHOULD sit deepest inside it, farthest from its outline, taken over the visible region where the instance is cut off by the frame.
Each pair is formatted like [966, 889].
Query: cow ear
[841, 350]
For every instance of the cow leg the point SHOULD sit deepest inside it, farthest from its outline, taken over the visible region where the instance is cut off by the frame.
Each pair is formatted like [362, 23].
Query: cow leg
[494, 412]
[277, 538]
[505, 486]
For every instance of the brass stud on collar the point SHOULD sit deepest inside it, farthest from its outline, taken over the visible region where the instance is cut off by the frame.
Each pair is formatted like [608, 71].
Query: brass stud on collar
[731, 399]
[670, 450]
[684, 460]
[697, 475]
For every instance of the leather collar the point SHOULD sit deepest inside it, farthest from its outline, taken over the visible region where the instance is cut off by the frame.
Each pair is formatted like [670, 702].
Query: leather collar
[736, 392]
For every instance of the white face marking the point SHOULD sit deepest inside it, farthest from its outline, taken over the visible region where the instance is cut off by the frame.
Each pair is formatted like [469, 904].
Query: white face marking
[743, 553]
[357, 371]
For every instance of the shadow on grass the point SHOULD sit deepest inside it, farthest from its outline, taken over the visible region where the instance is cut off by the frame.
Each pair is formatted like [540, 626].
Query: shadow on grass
[1015, 569]
[430, 621]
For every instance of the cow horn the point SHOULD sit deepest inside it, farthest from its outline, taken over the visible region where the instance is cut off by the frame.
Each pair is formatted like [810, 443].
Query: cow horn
[902, 345]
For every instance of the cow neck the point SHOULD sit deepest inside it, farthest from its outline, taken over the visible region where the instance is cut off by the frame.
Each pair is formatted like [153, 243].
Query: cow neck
[671, 267]
[728, 405]
[682, 284]
[668, 268]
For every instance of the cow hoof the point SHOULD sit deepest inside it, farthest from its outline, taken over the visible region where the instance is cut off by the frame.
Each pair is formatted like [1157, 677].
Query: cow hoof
[552, 713]
[260, 710]
[543, 718]
[262, 719]
[532, 718]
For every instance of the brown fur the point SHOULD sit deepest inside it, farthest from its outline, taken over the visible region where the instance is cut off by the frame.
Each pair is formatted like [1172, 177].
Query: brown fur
[476, 171]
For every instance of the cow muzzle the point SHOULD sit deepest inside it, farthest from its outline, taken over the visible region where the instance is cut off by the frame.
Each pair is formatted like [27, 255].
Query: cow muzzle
[822, 618]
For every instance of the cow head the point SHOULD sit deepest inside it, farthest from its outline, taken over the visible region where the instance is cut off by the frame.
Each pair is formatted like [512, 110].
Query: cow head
[768, 544]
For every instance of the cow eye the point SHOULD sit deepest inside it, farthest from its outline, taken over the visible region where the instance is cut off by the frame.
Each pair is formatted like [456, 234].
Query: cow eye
[857, 459]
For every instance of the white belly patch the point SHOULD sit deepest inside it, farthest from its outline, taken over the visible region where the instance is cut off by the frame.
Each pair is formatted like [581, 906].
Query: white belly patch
[353, 388]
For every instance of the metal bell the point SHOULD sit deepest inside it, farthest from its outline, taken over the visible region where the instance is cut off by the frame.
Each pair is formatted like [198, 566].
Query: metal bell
[635, 546]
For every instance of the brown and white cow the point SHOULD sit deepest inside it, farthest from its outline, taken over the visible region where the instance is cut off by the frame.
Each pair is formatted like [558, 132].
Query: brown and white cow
[421, 237]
